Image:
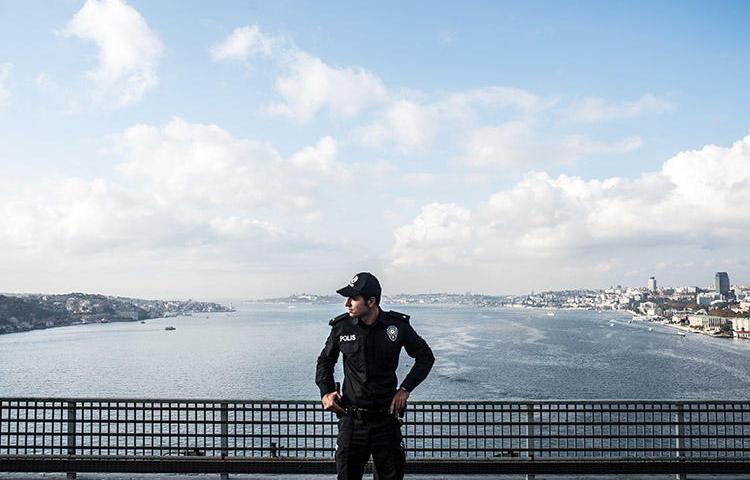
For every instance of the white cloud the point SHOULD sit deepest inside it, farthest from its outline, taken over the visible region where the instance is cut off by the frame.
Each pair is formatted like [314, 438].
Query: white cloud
[183, 189]
[42, 79]
[129, 51]
[413, 123]
[243, 43]
[523, 143]
[191, 210]
[419, 179]
[578, 145]
[238, 227]
[521, 133]
[5, 69]
[81, 216]
[593, 109]
[405, 124]
[306, 84]
[310, 85]
[440, 233]
[606, 265]
[498, 97]
[410, 124]
[191, 166]
[696, 199]
[320, 158]
[512, 143]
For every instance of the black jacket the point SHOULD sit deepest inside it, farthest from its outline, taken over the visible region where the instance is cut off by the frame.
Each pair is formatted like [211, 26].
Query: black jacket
[371, 357]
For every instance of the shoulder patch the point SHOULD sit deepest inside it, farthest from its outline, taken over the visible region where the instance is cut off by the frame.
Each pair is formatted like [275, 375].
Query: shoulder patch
[335, 320]
[399, 316]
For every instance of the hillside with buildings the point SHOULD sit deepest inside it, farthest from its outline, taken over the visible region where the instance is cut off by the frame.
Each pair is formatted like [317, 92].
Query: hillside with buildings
[720, 310]
[30, 312]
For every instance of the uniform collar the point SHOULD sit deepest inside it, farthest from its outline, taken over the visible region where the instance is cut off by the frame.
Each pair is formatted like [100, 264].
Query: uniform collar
[380, 320]
[381, 317]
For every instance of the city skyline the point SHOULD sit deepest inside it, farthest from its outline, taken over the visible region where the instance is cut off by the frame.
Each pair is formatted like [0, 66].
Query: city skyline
[648, 286]
[176, 150]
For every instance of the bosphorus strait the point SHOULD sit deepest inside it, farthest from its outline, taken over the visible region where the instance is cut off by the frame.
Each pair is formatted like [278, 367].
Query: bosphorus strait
[269, 351]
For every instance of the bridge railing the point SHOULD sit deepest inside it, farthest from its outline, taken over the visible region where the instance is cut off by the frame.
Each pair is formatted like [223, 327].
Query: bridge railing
[473, 433]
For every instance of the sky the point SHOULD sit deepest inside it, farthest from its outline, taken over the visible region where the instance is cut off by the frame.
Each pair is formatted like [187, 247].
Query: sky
[186, 149]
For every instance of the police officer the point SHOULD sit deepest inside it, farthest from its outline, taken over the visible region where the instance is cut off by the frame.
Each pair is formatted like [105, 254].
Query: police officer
[370, 403]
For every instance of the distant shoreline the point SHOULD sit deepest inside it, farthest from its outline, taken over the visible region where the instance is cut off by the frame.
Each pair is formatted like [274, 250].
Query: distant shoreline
[23, 313]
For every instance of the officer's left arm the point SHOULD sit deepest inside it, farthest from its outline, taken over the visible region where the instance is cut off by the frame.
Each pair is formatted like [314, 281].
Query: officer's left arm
[417, 348]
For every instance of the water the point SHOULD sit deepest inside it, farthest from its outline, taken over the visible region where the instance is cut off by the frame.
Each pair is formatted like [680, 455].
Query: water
[269, 352]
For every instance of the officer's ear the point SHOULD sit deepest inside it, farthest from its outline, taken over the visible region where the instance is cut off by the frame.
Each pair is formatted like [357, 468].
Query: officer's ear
[372, 302]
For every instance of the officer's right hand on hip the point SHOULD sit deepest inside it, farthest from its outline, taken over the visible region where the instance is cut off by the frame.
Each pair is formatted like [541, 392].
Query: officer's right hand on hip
[331, 402]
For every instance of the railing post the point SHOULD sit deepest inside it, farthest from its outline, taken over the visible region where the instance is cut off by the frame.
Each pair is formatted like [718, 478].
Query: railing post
[224, 435]
[679, 431]
[71, 435]
[530, 436]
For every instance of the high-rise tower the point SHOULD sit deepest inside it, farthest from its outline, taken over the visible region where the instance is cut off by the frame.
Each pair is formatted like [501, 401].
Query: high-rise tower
[652, 284]
[722, 283]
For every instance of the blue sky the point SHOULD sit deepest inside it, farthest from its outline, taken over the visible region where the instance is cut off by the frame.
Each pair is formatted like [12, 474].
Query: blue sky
[260, 148]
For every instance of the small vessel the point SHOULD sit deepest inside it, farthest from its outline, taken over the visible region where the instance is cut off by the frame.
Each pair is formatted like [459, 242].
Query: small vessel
[143, 321]
[170, 327]
[630, 321]
[650, 329]
[611, 324]
[550, 314]
[682, 334]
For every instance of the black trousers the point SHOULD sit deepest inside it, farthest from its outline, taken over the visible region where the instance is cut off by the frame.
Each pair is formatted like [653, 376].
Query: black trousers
[379, 437]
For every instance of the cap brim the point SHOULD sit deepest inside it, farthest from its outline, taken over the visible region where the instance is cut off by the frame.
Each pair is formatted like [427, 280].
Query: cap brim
[348, 291]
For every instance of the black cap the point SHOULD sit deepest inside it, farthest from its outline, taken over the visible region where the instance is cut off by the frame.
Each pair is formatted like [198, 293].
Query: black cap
[363, 283]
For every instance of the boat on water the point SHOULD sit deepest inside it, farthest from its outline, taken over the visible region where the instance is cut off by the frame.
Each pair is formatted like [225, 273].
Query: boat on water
[682, 334]
[650, 329]
[170, 327]
[143, 321]
[612, 324]
[550, 314]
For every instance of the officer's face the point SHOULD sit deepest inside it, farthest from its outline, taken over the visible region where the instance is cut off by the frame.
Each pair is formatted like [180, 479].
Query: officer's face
[357, 306]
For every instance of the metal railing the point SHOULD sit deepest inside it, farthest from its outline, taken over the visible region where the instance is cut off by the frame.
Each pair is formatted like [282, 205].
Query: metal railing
[295, 436]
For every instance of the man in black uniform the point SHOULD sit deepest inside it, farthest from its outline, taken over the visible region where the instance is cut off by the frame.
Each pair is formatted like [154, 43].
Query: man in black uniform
[370, 404]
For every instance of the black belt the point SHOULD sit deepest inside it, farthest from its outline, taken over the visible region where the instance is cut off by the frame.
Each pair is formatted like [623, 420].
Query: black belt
[366, 413]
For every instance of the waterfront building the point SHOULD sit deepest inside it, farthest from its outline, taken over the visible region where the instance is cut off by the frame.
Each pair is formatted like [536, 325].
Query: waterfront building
[652, 284]
[741, 327]
[722, 283]
[679, 317]
[708, 323]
